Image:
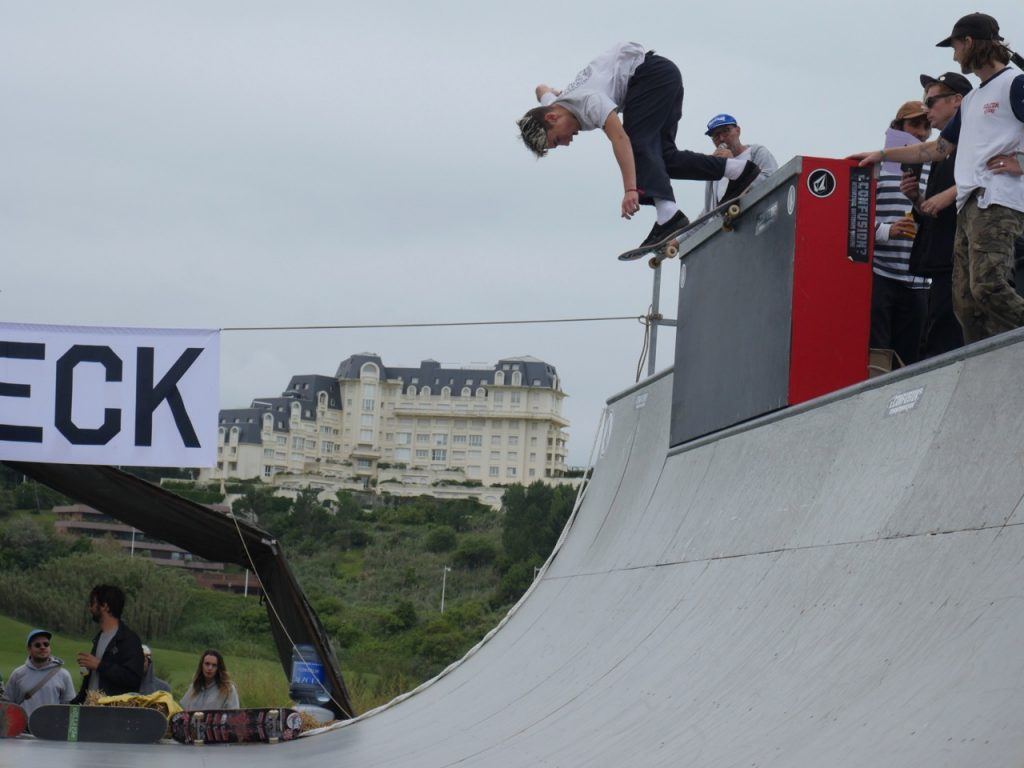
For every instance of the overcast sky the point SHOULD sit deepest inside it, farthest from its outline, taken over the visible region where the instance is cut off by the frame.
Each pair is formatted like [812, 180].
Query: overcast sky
[217, 164]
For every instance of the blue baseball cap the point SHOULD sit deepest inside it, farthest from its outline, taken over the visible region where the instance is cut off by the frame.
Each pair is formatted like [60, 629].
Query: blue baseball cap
[36, 633]
[718, 121]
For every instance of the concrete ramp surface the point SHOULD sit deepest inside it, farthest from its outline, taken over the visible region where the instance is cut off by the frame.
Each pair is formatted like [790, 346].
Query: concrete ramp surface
[841, 584]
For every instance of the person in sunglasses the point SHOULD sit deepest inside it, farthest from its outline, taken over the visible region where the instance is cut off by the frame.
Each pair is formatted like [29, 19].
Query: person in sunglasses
[988, 132]
[42, 679]
[935, 214]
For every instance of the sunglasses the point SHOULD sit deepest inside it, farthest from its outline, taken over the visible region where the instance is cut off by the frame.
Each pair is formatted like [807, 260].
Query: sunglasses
[932, 100]
[44, 644]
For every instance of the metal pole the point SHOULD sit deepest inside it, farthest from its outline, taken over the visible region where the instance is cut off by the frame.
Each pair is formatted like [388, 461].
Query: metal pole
[444, 582]
[132, 553]
[652, 353]
[246, 583]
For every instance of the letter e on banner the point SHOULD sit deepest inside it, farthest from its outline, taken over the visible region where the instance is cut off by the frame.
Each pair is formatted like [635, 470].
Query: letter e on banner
[114, 396]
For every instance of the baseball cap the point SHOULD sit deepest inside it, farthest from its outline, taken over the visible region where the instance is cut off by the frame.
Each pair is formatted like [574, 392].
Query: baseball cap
[980, 26]
[718, 121]
[910, 109]
[952, 80]
[36, 633]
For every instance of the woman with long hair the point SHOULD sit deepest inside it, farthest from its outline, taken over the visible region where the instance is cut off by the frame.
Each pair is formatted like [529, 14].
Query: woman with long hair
[211, 687]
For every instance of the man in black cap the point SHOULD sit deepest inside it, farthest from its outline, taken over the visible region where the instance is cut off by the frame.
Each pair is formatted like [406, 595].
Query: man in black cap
[935, 214]
[988, 131]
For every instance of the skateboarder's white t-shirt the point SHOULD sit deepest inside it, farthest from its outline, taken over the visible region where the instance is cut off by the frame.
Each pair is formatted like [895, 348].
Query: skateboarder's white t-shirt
[600, 88]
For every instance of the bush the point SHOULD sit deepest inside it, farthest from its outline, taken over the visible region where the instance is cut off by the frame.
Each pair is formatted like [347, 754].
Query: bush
[441, 539]
[475, 552]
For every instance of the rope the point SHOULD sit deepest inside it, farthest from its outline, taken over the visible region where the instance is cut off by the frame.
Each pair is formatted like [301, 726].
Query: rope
[646, 320]
[356, 326]
[266, 596]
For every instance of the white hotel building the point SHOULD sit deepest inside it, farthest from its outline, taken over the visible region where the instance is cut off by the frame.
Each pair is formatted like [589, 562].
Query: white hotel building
[372, 424]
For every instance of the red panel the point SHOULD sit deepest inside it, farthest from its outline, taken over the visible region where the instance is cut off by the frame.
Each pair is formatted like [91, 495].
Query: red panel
[831, 291]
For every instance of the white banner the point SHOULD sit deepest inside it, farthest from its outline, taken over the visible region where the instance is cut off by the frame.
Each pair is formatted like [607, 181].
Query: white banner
[116, 396]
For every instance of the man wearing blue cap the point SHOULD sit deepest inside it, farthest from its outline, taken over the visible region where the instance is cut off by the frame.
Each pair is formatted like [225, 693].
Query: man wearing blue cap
[724, 132]
[648, 90]
[42, 679]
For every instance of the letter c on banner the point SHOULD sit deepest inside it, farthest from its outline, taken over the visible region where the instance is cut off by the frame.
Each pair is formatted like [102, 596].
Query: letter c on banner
[65, 386]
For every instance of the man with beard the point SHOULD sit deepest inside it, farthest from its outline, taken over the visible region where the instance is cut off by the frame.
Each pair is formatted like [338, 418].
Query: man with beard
[988, 133]
[114, 666]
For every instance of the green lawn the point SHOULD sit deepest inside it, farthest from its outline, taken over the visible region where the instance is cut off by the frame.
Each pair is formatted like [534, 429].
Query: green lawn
[260, 682]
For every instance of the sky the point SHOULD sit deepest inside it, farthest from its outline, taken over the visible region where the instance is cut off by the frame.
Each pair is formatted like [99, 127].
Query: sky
[223, 164]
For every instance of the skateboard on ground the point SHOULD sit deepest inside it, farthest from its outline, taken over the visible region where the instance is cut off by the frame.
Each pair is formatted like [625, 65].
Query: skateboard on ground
[668, 247]
[229, 726]
[115, 725]
[13, 720]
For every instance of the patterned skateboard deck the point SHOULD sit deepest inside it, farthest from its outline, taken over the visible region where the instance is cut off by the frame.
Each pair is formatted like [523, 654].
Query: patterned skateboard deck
[13, 720]
[115, 725]
[230, 726]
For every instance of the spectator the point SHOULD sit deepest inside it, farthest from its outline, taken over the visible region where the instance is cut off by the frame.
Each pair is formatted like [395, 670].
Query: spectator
[899, 300]
[150, 682]
[211, 687]
[648, 90]
[988, 131]
[935, 213]
[724, 133]
[42, 679]
[114, 665]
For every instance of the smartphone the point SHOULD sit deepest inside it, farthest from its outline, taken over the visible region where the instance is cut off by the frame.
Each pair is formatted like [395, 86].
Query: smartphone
[914, 169]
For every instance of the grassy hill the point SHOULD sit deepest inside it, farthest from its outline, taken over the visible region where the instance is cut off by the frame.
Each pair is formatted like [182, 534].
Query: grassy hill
[373, 574]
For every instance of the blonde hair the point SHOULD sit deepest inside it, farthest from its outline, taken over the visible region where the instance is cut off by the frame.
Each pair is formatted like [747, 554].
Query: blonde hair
[534, 131]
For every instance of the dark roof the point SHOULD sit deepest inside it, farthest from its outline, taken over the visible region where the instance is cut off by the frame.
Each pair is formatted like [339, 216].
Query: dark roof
[248, 420]
[307, 386]
[536, 373]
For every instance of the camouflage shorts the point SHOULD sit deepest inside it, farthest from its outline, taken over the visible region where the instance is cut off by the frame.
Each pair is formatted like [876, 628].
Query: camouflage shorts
[984, 297]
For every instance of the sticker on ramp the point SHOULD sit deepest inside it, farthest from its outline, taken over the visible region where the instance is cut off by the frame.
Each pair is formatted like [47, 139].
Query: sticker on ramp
[904, 401]
[821, 182]
[641, 400]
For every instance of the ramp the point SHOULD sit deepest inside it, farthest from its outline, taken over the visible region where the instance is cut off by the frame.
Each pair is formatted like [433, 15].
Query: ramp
[838, 584]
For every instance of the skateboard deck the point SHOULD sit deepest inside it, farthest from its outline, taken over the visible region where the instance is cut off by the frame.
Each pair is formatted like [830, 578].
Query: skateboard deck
[115, 725]
[668, 247]
[230, 726]
[13, 720]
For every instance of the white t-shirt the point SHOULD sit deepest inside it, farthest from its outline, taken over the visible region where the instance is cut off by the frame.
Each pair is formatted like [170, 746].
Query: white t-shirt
[600, 88]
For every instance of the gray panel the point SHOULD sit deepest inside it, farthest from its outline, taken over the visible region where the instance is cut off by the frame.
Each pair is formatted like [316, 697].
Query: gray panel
[734, 318]
[838, 585]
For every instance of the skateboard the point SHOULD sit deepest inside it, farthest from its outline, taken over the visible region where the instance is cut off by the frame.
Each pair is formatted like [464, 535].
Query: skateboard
[12, 720]
[115, 725]
[230, 726]
[668, 247]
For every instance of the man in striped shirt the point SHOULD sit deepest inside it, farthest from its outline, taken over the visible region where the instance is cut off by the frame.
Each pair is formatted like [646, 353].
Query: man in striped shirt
[899, 300]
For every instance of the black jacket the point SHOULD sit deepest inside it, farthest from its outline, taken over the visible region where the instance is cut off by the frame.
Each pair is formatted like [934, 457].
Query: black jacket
[120, 668]
[933, 246]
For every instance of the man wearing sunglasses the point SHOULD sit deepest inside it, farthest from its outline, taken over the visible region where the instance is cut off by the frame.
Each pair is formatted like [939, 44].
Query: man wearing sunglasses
[935, 213]
[988, 131]
[42, 679]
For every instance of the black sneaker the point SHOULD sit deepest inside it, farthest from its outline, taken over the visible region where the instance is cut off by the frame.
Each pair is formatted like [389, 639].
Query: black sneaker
[661, 232]
[739, 185]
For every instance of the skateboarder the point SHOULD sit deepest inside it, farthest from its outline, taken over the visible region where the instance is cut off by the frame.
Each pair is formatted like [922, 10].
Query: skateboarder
[211, 687]
[114, 665]
[648, 90]
[42, 679]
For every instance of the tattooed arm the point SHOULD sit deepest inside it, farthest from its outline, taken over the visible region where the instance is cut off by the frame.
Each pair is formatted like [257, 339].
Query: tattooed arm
[927, 152]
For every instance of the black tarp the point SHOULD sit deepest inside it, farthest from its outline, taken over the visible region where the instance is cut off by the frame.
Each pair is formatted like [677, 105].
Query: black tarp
[212, 536]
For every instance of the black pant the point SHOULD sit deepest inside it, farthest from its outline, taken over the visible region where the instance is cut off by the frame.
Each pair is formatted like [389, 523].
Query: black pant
[898, 314]
[942, 332]
[651, 112]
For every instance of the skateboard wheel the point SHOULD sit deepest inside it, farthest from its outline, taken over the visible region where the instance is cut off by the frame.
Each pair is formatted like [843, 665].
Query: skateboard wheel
[671, 250]
[272, 740]
[733, 210]
[653, 262]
